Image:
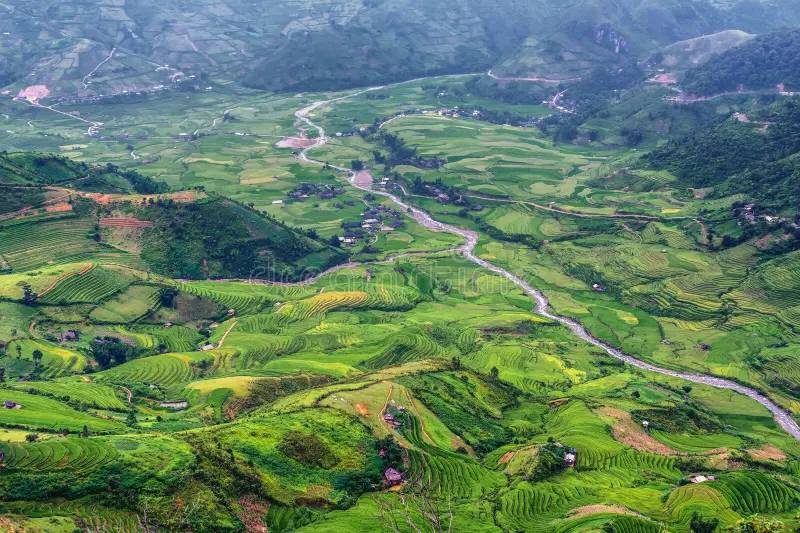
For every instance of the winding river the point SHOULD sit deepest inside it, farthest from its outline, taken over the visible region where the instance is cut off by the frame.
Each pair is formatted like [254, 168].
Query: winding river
[542, 307]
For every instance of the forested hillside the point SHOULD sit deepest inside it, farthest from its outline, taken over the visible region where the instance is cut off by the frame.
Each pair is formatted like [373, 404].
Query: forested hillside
[756, 158]
[85, 50]
[762, 63]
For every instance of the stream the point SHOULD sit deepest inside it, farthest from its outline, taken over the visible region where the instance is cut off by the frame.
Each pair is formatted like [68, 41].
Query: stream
[542, 307]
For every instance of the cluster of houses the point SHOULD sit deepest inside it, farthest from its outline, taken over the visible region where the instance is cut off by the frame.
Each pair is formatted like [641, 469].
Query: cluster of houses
[373, 220]
[748, 214]
[321, 191]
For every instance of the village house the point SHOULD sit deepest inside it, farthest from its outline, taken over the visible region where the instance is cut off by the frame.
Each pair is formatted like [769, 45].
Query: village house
[391, 421]
[392, 476]
[70, 336]
[701, 478]
[8, 404]
[570, 457]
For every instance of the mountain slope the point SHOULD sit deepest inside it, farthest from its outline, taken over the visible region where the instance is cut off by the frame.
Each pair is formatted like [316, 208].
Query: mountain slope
[762, 63]
[87, 49]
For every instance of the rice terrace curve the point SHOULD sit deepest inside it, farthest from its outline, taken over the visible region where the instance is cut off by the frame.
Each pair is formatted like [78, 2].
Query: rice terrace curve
[542, 306]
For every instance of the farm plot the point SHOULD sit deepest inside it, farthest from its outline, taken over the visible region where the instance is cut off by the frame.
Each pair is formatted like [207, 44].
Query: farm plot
[92, 286]
[45, 414]
[75, 390]
[135, 302]
[30, 245]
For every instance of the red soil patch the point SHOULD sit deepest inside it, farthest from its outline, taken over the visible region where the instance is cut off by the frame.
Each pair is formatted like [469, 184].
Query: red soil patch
[363, 179]
[506, 458]
[103, 199]
[124, 222]
[34, 93]
[58, 208]
[296, 142]
[666, 79]
[362, 409]
[252, 513]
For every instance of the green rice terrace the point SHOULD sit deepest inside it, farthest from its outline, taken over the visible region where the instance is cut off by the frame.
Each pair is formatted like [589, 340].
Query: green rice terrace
[384, 310]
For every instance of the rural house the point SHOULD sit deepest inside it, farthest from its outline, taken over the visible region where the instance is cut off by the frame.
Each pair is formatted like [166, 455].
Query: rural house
[392, 476]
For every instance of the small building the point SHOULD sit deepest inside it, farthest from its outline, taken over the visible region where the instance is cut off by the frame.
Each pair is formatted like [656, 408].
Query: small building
[645, 424]
[701, 478]
[8, 404]
[70, 336]
[391, 420]
[208, 347]
[598, 288]
[392, 476]
[277, 202]
[231, 312]
[570, 457]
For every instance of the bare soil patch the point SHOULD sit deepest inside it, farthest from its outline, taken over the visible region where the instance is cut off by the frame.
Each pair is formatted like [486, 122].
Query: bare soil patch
[296, 142]
[768, 452]
[600, 508]
[363, 179]
[506, 458]
[628, 432]
[34, 93]
[124, 222]
[61, 207]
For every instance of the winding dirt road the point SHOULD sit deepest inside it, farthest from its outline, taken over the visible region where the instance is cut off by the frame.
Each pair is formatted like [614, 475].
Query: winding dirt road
[542, 307]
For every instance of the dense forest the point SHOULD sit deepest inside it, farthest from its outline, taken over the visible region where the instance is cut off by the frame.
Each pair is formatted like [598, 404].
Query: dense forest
[758, 159]
[219, 238]
[762, 63]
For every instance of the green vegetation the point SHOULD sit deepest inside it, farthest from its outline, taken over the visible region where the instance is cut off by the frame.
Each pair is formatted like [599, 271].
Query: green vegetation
[152, 375]
[761, 63]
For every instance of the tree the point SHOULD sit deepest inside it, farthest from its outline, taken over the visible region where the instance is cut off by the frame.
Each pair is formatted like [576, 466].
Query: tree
[37, 357]
[2, 375]
[357, 165]
[131, 419]
[334, 241]
[32, 437]
[687, 389]
[85, 431]
[28, 296]
[110, 350]
[19, 350]
[698, 524]
[167, 296]
[494, 373]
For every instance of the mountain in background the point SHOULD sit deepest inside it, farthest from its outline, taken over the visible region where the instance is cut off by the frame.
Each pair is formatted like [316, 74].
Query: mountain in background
[84, 49]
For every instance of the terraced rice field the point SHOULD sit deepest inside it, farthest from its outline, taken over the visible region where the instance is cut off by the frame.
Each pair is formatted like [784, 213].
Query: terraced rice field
[39, 412]
[72, 453]
[91, 286]
[29, 245]
[77, 390]
[166, 371]
[245, 298]
[57, 361]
